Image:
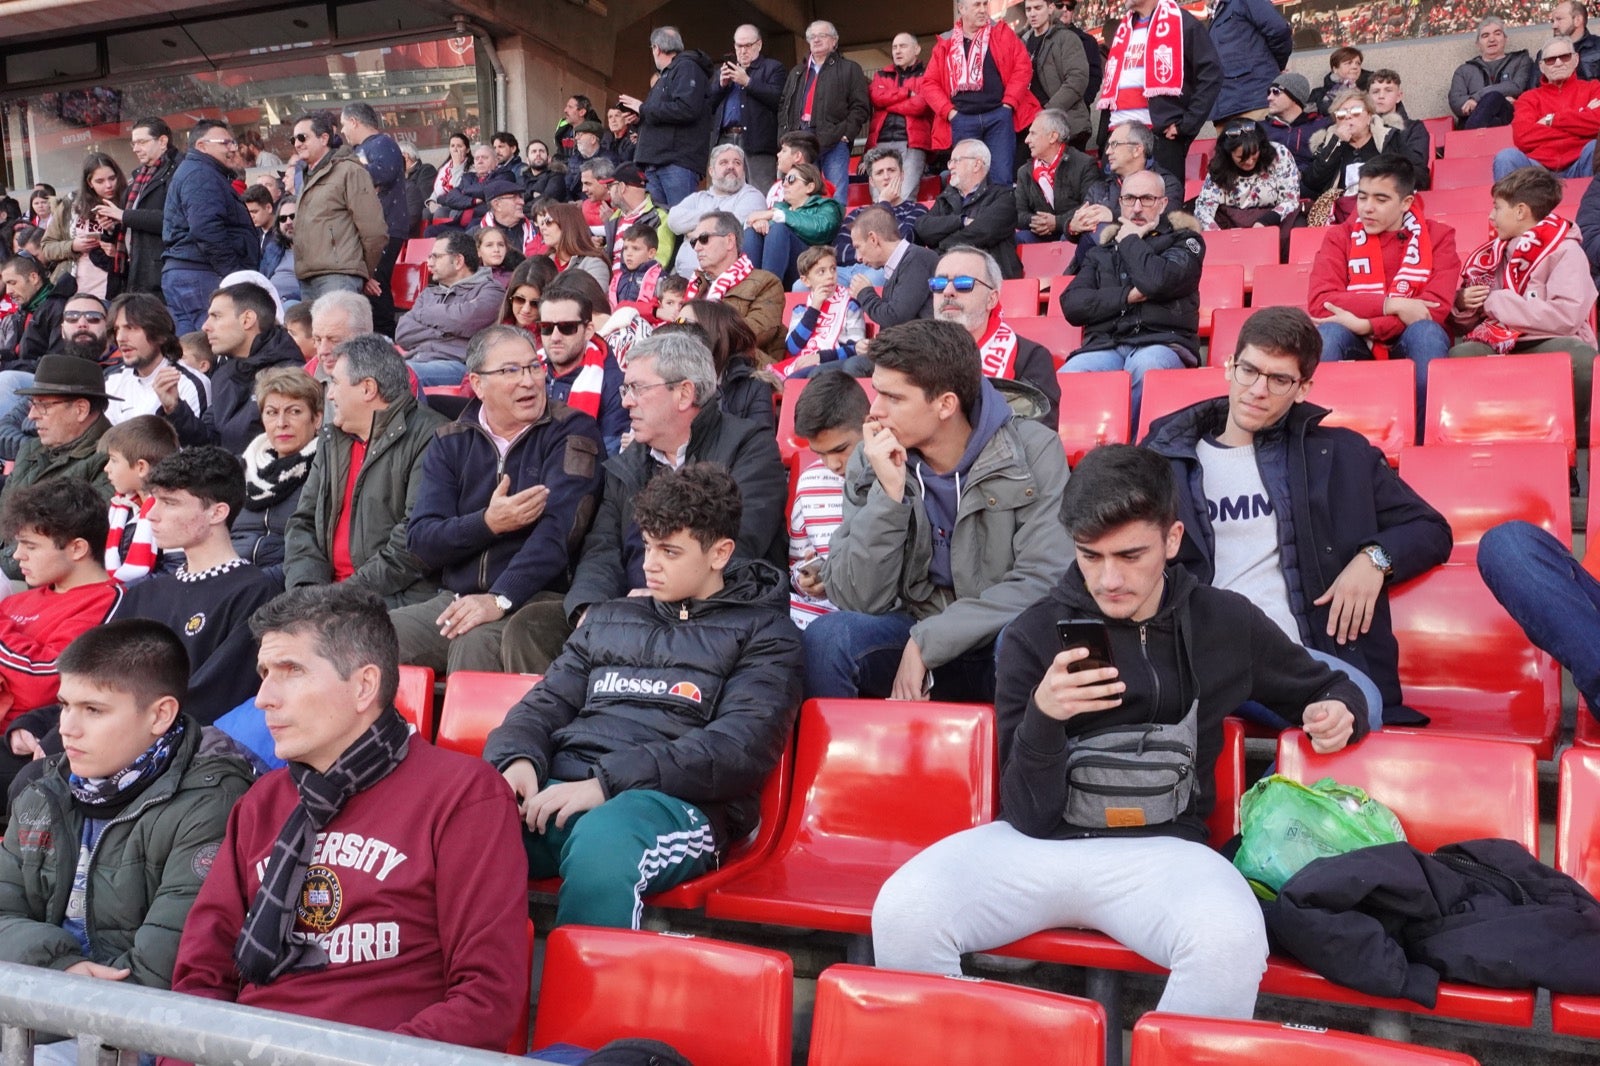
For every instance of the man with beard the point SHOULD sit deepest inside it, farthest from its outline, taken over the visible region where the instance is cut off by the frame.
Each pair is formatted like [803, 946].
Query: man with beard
[580, 372]
[728, 190]
[82, 336]
[150, 379]
[539, 181]
[966, 291]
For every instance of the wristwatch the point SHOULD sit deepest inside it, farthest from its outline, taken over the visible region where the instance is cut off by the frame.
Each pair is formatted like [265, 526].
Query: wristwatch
[504, 603]
[1380, 559]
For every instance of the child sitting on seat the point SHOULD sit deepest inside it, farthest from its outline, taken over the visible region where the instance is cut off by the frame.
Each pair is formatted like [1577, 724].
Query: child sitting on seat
[827, 327]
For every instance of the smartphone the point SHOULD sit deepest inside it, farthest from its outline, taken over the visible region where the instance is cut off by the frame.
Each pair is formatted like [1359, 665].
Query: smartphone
[811, 567]
[1086, 633]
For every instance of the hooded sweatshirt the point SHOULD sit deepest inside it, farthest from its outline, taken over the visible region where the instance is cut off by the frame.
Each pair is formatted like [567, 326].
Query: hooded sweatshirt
[942, 492]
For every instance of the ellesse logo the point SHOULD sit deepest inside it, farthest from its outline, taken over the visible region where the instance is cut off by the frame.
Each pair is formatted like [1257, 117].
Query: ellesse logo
[687, 689]
[613, 682]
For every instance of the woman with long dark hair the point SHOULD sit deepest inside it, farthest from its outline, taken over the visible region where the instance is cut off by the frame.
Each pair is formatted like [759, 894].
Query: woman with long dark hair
[94, 246]
[571, 244]
[526, 285]
[1252, 182]
[736, 358]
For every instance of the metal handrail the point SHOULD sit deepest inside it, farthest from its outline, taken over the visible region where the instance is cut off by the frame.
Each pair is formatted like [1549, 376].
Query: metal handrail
[203, 1031]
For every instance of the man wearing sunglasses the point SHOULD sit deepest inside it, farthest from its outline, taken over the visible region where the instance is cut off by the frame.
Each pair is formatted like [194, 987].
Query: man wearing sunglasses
[1306, 521]
[461, 300]
[579, 370]
[966, 290]
[205, 230]
[1554, 124]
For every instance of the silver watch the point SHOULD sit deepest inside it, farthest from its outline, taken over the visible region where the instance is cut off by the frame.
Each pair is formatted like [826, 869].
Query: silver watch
[504, 603]
[1380, 558]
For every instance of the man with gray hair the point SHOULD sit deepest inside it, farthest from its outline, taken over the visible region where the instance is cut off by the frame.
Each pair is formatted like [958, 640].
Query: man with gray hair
[728, 190]
[827, 95]
[966, 290]
[674, 118]
[461, 300]
[350, 524]
[1483, 88]
[594, 183]
[670, 391]
[1129, 149]
[379, 153]
[972, 210]
[506, 495]
[335, 318]
[1055, 180]
[744, 100]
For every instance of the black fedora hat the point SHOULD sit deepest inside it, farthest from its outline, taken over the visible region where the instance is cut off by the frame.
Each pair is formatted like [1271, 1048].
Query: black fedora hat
[67, 375]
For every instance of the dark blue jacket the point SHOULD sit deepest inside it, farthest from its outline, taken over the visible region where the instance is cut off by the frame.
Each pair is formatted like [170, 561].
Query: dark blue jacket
[1333, 494]
[1253, 42]
[1296, 136]
[387, 168]
[1588, 221]
[561, 451]
[674, 121]
[758, 109]
[204, 224]
[613, 416]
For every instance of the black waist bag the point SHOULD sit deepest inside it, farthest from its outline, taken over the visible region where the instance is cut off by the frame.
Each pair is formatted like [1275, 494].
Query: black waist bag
[1132, 775]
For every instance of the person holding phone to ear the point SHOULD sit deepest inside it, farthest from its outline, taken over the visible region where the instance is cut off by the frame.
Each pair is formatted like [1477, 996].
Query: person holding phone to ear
[1106, 773]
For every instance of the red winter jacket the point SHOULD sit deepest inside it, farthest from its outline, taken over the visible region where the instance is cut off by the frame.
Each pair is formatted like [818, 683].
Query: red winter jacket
[1575, 105]
[1330, 278]
[1016, 71]
[902, 96]
[35, 627]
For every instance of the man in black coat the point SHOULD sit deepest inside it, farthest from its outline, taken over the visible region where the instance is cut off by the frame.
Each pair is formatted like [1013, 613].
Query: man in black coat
[1052, 183]
[674, 119]
[1176, 119]
[206, 232]
[140, 213]
[972, 211]
[827, 95]
[1307, 521]
[744, 101]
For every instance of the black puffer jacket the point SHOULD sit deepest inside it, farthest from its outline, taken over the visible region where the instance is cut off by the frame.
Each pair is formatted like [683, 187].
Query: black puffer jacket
[675, 119]
[1164, 265]
[234, 420]
[693, 699]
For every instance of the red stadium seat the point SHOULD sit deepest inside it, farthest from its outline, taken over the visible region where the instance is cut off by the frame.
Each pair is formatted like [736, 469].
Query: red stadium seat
[858, 195]
[406, 281]
[1468, 666]
[519, 1039]
[414, 699]
[1437, 128]
[1166, 391]
[791, 300]
[1460, 200]
[789, 445]
[1578, 856]
[929, 188]
[1048, 259]
[1376, 399]
[1061, 337]
[1094, 411]
[1281, 284]
[1483, 143]
[1020, 298]
[1572, 190]
[1459, 172]
[1444, 789]
[876, 781]
[1225, 326]
[1471, 228]
[1199, 158]
[1526, 397]
[475, 703]
[416, 250]
[1179, 1040]
[1221, 285]
[870, 1017]
[1249, 248]
[1305, 242]
[718, 1004]
[1479, 486]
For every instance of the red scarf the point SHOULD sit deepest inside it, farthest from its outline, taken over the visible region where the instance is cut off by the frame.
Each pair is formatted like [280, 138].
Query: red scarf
[647, 284]
[1366, 260]
[1044, 175]
[1163, 55]
[830, 325]
[965, 66]
[130, 545]
[1520, 257]
[726, 280]
[585, 392]
[998, 350]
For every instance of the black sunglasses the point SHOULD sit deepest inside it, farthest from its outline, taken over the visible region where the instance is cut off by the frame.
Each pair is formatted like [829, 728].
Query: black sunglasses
[567, 329]
[703, 238]
[286, 218]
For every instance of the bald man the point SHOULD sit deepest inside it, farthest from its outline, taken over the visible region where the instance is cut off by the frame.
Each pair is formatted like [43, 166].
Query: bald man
[901, 116]
[744, 100]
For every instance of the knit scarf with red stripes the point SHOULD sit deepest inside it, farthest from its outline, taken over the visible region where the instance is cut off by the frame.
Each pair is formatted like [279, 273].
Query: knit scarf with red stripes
[1520, 257]
[585, 394]
[1163, 55]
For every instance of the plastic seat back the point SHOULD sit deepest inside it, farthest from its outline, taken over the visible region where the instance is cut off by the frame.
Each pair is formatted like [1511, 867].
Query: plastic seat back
[1572, 190]
[1221, 285]
[414, 699]
[1226, 324]
[1578, 816]
[1460, 200]
[1376, 399]
[1058, 335]
[1462, 172]
[719, 1004]
[1094, 411]
[1305, 242]
[1229, 782]
[416, 250]
[1249, 248]
[1443, 789]
[789, 443]
[1468, 665]
[871, 1017]
[1166, 391]
[1477, 487]
[1502, 401]
[1019, 298]
[406, 281]
[1483, 143]
[475, 703]
[1281, 284]
[1180, 1040]
[1047, 259]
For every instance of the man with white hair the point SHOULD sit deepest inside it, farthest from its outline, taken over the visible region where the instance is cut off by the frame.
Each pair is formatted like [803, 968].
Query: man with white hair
[727, 190]
[972, 210]
[827, 94]
[1053, 182]
[744, 99]
[674, 118]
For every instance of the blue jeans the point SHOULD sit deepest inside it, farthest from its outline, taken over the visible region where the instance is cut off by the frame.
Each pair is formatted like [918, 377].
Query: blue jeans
[835, 166]
[669, 183]
[776, 252]
[849, 654]
[322, 284]
[1508, 159]
[997, 129]
[187, 291]
[1137, 360]
[1251, 711]
[1546, 592]
[439, 372]
[1422, 343]
[10, 382]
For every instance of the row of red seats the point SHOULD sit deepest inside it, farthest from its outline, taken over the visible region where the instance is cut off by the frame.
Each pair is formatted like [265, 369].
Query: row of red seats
[601, 984]
[1478, 146]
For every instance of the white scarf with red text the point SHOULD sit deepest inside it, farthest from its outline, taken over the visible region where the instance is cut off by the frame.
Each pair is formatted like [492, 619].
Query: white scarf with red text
[998, 352]
[726, 280]
[1163, 59]
[966, 66]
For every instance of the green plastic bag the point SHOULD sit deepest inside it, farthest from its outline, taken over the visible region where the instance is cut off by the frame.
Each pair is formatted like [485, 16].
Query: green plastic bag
[1287, 824]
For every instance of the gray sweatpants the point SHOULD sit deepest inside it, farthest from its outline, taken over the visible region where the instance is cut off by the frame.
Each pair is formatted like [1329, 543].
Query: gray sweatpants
[1177, 903]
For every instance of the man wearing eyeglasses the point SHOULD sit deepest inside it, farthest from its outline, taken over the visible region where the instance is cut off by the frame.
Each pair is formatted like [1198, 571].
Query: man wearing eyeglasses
[1137, 292]
[966, 290]
[341, 230]
[1128, 150]
[972, 210]
[1288, 123]
[205, 229]
[1307, 521]
[506, 496]
[1554, 125]
[827, 95]
[141, 210]
[461, 300]
[726, 274]
[579, 370]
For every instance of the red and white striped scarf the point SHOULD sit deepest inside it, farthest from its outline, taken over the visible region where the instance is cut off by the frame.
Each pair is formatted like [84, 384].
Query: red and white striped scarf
[724, 281]
[1520, 257]
[964, 65]
[998, 351]
[1365, 270]
[830, 322]
[585, 392]
[130, 553]
[1044, 174]
[1163, 55]
[647, 284]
